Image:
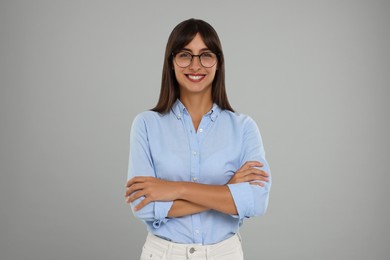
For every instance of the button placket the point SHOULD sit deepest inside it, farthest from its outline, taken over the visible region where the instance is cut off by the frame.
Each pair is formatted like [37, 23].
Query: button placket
[195, 137]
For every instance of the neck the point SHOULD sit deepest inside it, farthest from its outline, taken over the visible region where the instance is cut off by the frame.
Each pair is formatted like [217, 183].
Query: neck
[197, 104]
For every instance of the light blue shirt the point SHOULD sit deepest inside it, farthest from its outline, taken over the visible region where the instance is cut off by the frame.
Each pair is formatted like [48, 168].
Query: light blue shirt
[167, 146]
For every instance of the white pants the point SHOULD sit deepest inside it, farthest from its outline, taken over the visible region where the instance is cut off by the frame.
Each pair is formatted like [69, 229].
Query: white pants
[156, 248]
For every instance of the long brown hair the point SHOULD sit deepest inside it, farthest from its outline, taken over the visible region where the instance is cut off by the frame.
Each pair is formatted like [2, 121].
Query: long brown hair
[182, 35]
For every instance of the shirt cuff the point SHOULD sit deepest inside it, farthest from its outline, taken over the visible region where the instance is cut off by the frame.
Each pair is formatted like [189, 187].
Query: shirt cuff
[243, 198]
[161, 209]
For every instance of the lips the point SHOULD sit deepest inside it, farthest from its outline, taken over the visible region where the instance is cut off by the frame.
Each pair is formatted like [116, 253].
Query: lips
[195, 77]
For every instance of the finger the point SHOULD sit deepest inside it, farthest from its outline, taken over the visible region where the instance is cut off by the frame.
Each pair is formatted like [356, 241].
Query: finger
[137, 179]
[132, 181]
[256, 171]
[254, 164]
[136, 195]
[242, 173]
[257, 183]
[142, 204]
[133, 188]
[250, 164]
[247, 166]
[260, 172]
[255, 177]
[251, 171]
[251, 177]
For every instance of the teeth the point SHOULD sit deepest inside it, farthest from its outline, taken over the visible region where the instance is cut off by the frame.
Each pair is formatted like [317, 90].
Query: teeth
[195, 77]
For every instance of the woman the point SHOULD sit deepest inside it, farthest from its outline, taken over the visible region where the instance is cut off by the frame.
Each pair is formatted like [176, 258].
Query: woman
[196, 167]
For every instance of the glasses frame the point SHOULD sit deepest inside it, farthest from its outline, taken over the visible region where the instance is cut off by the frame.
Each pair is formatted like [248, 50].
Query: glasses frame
[192, 58]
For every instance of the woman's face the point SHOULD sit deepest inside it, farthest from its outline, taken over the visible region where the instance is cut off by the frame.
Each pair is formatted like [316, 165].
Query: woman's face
[195, 78]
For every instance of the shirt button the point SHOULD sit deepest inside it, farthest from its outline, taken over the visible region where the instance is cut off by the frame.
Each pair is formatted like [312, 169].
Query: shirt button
[179, 116]
[194, 179]
[197, 232]
[200, 130]
[194, 153]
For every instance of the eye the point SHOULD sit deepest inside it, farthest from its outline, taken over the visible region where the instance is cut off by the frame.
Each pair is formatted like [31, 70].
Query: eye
[184, 55]
[208, 55]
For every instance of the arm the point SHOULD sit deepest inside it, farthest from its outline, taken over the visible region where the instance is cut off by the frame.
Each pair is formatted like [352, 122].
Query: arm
[141, 163]
[182, 208]
[191, 197]
[252, 200]
[152, 189]
[244, 174]
[219, 197]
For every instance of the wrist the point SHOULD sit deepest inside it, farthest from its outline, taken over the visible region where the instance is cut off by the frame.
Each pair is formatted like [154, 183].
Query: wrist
[180, 190]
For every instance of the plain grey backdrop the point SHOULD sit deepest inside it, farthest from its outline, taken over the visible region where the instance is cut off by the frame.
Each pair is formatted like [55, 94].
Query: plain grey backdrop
[313, 74]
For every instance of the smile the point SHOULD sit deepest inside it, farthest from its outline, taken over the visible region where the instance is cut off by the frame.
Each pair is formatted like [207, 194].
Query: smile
[195, 77]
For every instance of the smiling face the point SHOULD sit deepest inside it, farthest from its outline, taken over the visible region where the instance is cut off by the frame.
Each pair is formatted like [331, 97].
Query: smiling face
[195, 78]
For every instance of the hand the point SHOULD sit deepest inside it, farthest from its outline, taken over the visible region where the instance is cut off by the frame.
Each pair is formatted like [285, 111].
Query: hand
[248, 173]
[153, 189]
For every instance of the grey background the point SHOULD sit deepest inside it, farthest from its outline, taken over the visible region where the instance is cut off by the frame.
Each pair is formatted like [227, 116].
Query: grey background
[313, 74]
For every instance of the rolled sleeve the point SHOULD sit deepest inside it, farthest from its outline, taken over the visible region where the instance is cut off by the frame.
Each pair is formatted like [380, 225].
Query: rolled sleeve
[141, 164]
[154, 212]
[243, 198]
[161, 209]
[252, 200]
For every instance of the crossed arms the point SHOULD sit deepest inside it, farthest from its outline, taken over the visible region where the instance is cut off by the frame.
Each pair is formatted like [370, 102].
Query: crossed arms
[189, 198]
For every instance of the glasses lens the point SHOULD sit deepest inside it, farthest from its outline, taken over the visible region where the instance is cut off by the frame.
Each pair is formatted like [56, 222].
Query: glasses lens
[183, 59]
[208, 59]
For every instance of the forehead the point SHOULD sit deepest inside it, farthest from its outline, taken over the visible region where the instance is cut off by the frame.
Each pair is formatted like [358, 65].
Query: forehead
[197, 44]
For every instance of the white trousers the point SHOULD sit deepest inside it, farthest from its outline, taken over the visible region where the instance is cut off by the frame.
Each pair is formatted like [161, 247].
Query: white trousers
[156, 248]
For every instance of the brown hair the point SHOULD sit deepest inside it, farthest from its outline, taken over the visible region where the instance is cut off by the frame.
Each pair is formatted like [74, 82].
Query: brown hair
[182, 35]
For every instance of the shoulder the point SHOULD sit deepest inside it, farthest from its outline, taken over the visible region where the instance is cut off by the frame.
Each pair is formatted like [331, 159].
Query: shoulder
[149, 118]
[239, 119]
[147, 115]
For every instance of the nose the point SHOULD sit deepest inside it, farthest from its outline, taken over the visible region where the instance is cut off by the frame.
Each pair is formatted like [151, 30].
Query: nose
[195, 63]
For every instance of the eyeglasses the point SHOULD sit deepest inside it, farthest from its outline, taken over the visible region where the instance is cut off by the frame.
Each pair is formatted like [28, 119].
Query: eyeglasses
[183, 59]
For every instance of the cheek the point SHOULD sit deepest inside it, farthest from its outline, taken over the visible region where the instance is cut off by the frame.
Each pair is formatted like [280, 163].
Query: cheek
[212, 74]
[178, 74]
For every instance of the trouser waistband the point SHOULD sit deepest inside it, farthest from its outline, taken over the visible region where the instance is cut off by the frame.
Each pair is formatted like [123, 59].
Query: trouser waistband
[230, 245]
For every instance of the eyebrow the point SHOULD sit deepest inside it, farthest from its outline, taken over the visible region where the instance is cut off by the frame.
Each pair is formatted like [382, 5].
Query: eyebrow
[204, 49]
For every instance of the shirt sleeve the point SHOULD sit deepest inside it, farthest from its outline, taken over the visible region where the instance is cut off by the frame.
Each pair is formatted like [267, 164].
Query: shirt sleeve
[251, 200]
[141, 164]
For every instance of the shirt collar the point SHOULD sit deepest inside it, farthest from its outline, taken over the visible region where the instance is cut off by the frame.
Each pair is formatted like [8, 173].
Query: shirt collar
[178, 109]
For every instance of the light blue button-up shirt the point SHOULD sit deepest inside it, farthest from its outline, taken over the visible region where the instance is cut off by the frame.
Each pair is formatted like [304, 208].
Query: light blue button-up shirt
[167, 146]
